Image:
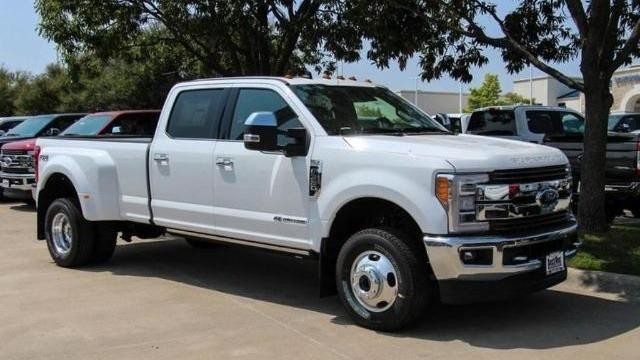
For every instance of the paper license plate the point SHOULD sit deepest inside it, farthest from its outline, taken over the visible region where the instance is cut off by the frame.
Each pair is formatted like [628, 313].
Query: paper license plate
[555, 262]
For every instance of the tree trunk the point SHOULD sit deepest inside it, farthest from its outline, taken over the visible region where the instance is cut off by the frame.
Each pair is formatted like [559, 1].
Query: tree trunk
[591, 209]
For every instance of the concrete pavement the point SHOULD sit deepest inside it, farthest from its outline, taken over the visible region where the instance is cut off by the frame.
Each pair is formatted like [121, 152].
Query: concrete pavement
[161, 299]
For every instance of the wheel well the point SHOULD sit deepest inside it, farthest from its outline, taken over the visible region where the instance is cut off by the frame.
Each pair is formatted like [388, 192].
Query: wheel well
[57, 186]
[358, 215]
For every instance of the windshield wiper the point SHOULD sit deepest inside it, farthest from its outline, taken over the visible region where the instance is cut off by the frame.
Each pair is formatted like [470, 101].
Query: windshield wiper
[382, 131]
[422, 130]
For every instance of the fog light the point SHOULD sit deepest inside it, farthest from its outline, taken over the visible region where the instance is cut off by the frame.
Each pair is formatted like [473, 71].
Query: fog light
[477, 257]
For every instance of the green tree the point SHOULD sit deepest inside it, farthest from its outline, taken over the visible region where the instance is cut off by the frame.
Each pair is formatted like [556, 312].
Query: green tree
[488, 94]
[450, 36]
[512, 98]
[244, 37]
[44, 93]
[6, 92]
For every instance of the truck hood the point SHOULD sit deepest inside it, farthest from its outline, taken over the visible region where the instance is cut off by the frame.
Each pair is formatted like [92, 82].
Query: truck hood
[10, 139]
[465, 153]
[26, 145]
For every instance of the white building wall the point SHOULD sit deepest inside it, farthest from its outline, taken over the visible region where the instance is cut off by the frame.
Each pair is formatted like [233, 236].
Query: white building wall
[433, 102]
[546, 89]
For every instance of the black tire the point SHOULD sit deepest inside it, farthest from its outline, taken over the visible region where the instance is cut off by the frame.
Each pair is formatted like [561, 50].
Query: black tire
[412, 279]
[105, 244]
[81, 239]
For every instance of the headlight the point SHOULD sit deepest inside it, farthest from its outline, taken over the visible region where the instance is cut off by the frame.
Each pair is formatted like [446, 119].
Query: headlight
[457, 194]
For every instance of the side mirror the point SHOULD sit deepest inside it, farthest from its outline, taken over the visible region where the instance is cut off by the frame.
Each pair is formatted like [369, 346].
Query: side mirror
[261, 132]
[116, 130]
[53, 132]
[2, 132]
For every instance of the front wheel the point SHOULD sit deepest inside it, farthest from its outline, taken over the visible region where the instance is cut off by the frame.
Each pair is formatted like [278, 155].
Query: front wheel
[70, 237]
[381, 281]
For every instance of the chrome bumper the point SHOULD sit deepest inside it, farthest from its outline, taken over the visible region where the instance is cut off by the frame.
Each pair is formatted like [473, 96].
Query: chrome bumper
[444, 254]
[22, 182]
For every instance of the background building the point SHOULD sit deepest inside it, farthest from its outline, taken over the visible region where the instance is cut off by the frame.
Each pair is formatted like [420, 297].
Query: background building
[625, 87]
[434, 102]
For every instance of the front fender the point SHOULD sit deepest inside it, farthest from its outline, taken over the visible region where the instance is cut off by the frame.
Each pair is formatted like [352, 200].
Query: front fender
[413, 194]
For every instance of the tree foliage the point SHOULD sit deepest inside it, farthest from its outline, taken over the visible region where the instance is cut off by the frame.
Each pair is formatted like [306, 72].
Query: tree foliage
[489, 94]
[138, 78]
[243, 37]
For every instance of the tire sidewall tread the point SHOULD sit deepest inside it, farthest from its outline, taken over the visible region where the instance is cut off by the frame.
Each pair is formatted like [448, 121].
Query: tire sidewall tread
[411, 273]
[82, 230]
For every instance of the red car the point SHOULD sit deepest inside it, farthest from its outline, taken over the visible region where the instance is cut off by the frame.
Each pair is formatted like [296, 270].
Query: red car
[16, 158]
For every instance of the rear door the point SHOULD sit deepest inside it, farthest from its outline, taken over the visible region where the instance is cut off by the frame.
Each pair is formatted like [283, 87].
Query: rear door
[261, 196]
[181, 163]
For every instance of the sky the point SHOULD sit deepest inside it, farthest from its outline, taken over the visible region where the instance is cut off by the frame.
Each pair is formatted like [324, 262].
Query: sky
[21, 48]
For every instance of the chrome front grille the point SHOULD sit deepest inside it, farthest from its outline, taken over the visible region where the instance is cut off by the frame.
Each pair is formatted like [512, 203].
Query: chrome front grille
[16, 162]
[522, 200]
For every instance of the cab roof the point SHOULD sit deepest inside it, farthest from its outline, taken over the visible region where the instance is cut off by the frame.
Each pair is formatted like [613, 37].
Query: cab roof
[289, 81]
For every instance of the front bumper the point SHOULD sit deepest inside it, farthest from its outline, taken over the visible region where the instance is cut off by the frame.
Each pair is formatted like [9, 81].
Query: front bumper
[444, 254]
[17, 185]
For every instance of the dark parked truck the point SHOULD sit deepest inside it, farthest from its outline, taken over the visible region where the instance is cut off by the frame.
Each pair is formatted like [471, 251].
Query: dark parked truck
[622, 169]
[563, 129]
[16, 164]
[16, 174]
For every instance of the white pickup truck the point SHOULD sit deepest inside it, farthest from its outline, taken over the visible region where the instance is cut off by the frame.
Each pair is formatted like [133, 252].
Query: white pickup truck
[396, 210]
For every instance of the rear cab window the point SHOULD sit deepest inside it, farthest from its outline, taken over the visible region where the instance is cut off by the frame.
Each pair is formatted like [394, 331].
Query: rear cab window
[493, 122]
[554, 122]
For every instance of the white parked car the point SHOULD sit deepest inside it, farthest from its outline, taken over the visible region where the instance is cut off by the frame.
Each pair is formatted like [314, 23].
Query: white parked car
[393, 207]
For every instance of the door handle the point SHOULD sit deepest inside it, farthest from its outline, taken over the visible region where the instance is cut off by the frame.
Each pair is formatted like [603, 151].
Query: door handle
[224, 162]
[161, 157]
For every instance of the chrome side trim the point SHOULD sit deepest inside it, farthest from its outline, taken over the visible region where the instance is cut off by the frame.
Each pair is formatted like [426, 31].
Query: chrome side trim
[444, 253]
[255, 244]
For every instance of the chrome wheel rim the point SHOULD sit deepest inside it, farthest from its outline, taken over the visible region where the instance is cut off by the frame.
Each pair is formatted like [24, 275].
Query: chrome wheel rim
[374, 282]
[61, 233]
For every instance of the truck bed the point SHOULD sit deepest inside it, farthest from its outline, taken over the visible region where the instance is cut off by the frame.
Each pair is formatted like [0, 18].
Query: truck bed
[114, 173]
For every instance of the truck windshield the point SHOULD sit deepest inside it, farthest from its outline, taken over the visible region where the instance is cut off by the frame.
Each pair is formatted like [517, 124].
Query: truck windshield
[352, 110]
[31, 126]
[88, 125]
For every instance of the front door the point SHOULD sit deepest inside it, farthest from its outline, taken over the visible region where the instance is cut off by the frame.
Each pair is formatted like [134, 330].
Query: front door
[260, 196]
[181, 161]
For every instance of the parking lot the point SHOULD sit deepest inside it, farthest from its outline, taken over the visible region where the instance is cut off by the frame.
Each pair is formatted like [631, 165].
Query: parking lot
[162, 299]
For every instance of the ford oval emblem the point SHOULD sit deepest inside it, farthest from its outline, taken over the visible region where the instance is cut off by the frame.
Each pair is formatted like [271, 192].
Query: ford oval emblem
[547, 199]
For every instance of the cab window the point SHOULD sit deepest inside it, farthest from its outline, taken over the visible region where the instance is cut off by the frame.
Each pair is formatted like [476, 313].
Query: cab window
[257, 100]
[196, 114]
[554, 122]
